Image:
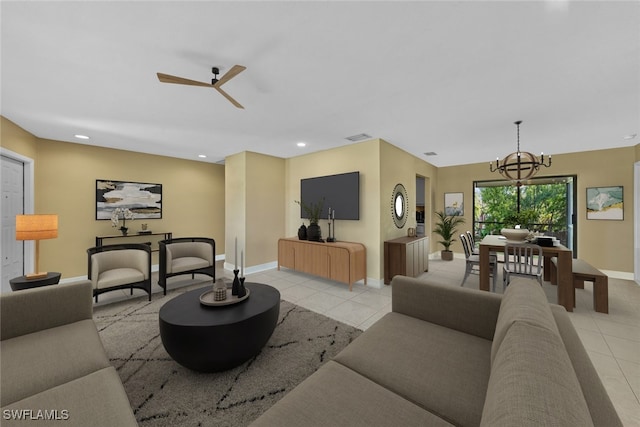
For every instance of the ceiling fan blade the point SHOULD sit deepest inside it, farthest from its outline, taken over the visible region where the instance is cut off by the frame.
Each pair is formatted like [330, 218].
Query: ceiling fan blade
[226, 95]
[166, 78]
[234, 71]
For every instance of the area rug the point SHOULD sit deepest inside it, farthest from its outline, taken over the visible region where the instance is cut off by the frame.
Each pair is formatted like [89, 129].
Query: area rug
[163, 393]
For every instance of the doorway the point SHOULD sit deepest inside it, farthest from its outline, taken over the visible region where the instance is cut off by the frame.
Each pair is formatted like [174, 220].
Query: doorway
[17, 197]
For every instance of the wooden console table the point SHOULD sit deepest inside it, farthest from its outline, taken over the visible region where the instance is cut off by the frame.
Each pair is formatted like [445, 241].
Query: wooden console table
[167, 235]
[344, 262]
[406, 256]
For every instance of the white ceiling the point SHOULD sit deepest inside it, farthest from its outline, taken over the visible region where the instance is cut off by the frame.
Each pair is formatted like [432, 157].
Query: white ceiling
[443, 76]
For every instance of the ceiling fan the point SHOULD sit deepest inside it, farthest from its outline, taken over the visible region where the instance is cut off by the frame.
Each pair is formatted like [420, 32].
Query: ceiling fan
[215, 83]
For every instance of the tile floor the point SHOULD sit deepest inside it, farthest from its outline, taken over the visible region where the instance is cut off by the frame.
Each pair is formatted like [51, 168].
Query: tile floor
[612, 340]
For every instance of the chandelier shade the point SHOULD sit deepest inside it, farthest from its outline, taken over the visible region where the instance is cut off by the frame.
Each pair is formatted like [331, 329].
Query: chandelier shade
[520, 165]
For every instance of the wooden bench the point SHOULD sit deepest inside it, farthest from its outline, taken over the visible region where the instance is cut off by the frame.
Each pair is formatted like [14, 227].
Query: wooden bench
[582, 271]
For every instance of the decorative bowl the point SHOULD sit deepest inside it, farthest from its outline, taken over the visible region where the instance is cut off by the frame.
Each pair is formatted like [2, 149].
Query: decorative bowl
[515, 234]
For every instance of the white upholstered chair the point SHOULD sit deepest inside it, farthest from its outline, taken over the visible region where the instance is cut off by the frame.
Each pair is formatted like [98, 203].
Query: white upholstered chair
[122, 266]
[186, 255]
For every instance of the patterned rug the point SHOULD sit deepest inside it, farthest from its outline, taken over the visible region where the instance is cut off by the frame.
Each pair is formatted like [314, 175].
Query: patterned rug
[163, 393]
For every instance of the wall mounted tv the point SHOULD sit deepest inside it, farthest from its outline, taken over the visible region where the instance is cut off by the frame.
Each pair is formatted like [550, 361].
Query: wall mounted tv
[341, 193]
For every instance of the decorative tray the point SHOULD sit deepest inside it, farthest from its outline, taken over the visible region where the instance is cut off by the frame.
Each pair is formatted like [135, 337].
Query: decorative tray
[207, 298]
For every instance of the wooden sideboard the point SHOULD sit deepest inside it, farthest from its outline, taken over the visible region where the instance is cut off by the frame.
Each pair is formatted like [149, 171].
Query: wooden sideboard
[344, 262]
[406, 256]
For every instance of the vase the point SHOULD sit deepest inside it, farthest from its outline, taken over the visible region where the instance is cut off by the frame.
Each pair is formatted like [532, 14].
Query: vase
[302, 232]
[124, 230]
[314, 233]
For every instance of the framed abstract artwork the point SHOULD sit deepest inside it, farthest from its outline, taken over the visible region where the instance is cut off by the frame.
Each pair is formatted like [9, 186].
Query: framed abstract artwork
[142, 199]
[454, 204]
[605, 203]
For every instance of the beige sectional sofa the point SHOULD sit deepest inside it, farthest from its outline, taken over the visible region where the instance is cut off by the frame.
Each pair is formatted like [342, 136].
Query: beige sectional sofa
[447, 356]
[53, 367]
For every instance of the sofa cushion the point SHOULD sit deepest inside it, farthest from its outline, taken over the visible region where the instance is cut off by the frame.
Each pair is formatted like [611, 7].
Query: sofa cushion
[178, 265]
[533, 382]
[337, 396]
[97, 399]
[36, 362]
[441, 370]
[119, 276]
[524, 301]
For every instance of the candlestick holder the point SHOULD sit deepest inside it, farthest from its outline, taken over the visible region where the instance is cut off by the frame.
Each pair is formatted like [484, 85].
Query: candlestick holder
[242, 291]
[236, 283]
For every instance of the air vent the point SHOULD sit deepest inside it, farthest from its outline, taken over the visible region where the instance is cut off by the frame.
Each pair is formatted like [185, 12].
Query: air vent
[430, 153]
[359, 137]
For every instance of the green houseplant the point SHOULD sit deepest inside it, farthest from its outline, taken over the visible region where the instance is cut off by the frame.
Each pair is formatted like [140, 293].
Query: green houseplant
[313, 211]
[446, 228]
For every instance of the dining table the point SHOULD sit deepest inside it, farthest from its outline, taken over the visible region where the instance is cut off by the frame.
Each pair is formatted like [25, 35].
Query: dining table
[564, 255]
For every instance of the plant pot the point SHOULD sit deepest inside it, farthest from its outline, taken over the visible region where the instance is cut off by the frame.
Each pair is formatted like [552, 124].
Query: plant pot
[314, 233]
[446, 255]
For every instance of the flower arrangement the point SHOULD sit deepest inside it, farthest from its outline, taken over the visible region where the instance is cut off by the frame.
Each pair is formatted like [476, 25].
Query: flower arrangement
[124, 214]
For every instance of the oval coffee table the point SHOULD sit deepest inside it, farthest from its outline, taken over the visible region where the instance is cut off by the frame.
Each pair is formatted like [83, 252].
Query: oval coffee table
[210, 339]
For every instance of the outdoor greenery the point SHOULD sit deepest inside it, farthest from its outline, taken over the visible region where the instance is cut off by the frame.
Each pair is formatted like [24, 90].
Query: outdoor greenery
[446, 228]
[543, 207]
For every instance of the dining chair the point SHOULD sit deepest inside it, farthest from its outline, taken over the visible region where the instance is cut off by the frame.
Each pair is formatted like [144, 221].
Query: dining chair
[522, 259]
[472, 241]
[473, 261]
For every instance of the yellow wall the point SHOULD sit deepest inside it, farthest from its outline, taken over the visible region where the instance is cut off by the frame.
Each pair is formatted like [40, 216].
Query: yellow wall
[605, 244]
[255, 205]
[381, 166]
[363, 157]
[16, 139]
[65, 176]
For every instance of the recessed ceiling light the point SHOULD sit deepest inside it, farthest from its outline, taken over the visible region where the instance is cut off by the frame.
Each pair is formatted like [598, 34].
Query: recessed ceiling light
[631, 136]
[81, 136]
[301, 144]
[202, 156]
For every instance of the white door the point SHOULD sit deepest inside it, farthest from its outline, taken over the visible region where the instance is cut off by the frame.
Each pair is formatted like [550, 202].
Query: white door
[12, 252]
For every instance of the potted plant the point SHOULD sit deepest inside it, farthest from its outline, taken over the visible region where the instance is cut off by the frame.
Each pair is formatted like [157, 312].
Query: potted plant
[313, 210]
[446, 228]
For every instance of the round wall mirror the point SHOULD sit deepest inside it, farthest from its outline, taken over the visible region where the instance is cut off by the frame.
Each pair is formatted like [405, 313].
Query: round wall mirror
[399, 205]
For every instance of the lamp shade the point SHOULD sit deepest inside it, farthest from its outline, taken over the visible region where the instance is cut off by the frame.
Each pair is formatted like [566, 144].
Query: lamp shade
[36, 227]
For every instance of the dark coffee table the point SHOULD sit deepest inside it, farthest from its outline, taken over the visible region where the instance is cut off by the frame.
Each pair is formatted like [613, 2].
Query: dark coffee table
[20, 283]
[210, 339]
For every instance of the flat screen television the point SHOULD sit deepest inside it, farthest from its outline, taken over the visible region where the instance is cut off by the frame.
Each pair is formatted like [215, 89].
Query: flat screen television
[341, 193]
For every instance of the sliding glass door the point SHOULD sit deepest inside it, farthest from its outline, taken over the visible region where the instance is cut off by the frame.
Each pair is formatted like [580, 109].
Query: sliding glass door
[546, 205]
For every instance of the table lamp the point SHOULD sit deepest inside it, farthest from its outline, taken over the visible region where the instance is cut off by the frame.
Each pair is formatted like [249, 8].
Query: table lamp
[36, 227]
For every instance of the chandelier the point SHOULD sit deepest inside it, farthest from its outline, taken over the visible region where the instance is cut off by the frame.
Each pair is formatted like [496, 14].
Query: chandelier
[520, 165]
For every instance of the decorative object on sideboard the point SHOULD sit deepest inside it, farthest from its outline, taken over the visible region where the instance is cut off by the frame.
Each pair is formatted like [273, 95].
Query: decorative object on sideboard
[36, 227]
[332, 221]
[520, 165]
[302, 232]
[236, 282]
[399, 205]
[117, 215]
[313, 210]
[446, 228]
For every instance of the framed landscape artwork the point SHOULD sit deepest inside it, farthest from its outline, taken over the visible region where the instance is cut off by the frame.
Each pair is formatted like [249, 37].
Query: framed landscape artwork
[454, 204]
[142, 199]
[605, 203]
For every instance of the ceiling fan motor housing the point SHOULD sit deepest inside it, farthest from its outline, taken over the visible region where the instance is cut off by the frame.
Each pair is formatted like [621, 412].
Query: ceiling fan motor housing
[215, 71]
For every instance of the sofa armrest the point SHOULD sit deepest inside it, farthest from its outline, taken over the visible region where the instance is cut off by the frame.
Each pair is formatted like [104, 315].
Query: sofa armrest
[31, 310]
[466, 310]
